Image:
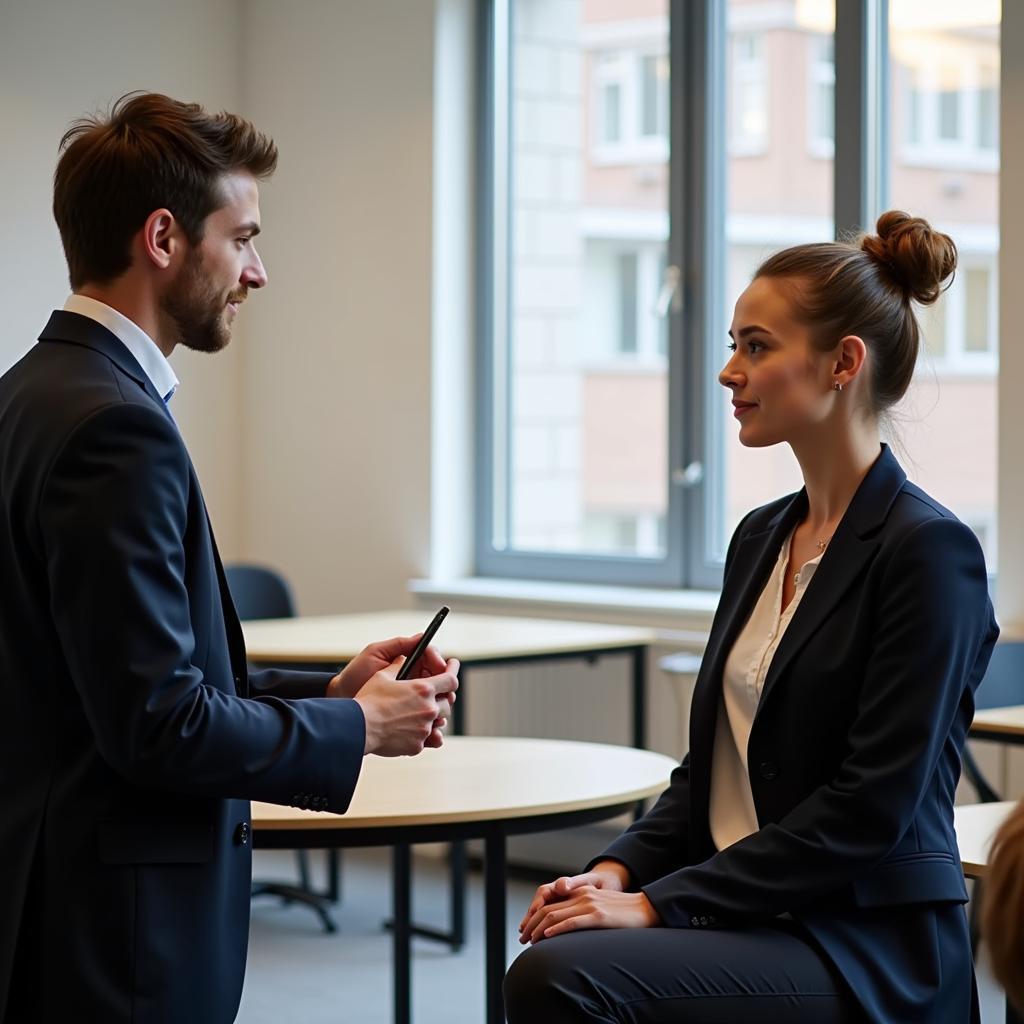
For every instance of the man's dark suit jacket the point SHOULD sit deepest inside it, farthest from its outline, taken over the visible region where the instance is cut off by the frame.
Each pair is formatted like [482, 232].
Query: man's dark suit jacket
[854, 753]
[131, 735]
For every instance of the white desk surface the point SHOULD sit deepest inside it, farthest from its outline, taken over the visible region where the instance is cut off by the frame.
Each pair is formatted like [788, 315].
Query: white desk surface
[976, 825]
[482, 778]
[331, 638]
[1008, 720]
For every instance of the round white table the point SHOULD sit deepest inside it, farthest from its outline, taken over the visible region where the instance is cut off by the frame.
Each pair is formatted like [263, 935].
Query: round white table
[472, 788]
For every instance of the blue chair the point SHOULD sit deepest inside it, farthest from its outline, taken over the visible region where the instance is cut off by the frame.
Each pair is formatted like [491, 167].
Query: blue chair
[262, 593]
[1002, 686]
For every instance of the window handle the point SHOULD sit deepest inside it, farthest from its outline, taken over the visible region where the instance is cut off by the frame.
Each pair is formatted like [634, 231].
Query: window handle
[670, 297]
[688, 476]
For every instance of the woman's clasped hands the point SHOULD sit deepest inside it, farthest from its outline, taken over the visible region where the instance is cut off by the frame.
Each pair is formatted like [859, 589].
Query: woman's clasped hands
[594, 899]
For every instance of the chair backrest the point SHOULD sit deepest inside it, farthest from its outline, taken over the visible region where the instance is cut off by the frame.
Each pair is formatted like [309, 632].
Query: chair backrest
[259, 592]
[1004, 678]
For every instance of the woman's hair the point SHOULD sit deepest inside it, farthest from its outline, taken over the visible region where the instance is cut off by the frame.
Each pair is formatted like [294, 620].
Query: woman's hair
[866, 287]
[1002, 906]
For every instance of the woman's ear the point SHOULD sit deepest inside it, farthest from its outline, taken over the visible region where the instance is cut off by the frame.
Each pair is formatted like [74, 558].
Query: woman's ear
[850, 360]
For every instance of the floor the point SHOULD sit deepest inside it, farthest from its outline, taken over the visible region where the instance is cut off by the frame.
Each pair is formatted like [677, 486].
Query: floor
[300, 975]
[297, 974]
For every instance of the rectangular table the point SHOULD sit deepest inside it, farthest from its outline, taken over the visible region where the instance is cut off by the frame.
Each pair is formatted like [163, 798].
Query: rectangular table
[478, 641]
[1003, 725]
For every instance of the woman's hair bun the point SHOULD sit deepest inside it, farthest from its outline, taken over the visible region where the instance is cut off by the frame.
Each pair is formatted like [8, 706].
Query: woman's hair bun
[916, 256]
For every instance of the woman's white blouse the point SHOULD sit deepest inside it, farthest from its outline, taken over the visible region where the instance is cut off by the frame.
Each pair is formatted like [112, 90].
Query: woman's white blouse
[732, 804]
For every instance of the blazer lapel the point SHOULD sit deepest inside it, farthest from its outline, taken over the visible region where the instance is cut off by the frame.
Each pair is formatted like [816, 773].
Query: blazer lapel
[852, 547]
[80, 330]
[751, 566]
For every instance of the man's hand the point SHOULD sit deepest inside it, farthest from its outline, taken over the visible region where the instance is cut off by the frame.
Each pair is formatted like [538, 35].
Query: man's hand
[404, 717]
[371, 659]
[606, 874]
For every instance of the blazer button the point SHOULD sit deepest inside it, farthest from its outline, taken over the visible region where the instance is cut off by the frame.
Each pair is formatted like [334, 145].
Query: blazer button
[768, 769]
[694, 922]
[242, 834]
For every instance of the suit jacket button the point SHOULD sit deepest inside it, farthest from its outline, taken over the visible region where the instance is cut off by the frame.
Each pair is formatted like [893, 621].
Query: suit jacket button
[242, 834]
[769, 770]
[703, 920]
[238, 682]
[296, 799]
[694, 922]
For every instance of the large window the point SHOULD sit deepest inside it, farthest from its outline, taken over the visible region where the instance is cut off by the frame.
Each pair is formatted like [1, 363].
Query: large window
[641, 158]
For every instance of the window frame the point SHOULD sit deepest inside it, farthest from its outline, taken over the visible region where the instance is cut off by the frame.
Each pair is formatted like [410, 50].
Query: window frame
[698, 58]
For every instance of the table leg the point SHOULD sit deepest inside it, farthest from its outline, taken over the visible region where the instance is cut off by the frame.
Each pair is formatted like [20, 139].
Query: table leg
[639, 681]
[457, 858]
[401, 881]
[494, 924]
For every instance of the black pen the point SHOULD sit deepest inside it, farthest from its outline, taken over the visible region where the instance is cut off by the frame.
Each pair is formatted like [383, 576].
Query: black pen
[428, 635]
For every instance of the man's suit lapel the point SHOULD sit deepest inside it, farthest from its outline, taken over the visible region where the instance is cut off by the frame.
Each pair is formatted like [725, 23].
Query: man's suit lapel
[851, 549]
[81, 330]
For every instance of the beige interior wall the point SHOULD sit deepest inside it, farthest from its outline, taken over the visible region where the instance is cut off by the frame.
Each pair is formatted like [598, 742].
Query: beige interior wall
[336, 484]
[59, 60]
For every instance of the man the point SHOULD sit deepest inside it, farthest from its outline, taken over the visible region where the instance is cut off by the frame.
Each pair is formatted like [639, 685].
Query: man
[132, 735]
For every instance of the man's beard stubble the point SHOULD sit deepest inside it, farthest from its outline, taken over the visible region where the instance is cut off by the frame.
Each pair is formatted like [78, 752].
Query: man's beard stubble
[195, 310]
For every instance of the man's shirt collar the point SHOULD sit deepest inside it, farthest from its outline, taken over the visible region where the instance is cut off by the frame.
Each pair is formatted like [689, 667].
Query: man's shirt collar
[145, 350]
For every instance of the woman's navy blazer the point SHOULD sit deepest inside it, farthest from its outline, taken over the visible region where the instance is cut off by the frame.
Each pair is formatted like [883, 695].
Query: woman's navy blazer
[854, 753]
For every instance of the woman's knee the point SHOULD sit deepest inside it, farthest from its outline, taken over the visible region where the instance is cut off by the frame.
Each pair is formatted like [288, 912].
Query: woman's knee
[545, 983]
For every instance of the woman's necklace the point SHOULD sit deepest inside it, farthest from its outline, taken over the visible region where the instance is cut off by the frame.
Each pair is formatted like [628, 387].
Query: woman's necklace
[822, 544]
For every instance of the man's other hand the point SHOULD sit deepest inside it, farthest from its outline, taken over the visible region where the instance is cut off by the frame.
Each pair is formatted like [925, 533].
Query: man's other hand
[404, 717]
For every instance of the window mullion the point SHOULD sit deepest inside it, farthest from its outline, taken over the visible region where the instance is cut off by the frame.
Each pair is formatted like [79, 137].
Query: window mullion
[861, 123]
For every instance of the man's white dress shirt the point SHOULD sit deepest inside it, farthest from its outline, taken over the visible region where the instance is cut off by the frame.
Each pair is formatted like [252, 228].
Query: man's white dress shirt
[145, 350]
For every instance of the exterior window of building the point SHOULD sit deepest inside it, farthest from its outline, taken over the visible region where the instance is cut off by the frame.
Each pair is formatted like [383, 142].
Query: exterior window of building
[609, 75]
[654, 95]
[949, 82]
[627, 296]
[822, 94]
[749, 93]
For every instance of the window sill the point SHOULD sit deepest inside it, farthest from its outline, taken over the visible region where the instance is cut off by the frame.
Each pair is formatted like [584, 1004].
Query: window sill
[683, 615]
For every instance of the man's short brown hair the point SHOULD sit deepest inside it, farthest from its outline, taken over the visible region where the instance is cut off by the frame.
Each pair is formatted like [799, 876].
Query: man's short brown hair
[150, 152]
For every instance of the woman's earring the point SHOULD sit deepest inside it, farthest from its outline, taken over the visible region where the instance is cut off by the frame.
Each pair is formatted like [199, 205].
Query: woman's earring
[836, 386]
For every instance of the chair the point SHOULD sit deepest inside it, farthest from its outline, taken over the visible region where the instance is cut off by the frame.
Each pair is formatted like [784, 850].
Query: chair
[1002, 686]
[261, 593]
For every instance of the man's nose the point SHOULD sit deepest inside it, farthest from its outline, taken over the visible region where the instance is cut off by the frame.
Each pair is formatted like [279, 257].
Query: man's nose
[254, 275]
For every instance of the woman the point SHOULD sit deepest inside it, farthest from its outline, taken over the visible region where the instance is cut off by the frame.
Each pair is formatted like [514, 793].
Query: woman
[802, 865]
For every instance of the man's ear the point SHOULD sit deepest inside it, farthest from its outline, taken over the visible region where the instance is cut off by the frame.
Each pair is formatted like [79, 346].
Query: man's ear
[160, 238]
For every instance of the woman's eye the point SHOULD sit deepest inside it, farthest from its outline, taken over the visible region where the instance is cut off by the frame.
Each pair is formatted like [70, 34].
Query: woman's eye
[754, 346]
